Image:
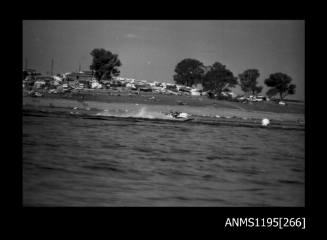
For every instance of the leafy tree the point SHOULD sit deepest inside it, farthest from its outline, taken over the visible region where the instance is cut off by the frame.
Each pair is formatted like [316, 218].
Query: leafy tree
[248, 81]
[188, 72]
[218, 79]
[271, 92]
[280, 84]
[104, 64]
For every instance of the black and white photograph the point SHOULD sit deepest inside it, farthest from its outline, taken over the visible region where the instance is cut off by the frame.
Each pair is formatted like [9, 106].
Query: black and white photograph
[163, 113]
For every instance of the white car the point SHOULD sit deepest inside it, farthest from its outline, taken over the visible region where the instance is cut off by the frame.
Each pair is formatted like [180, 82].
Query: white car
[241, 98]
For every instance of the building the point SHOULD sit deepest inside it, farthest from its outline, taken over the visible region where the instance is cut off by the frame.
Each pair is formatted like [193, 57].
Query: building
[79, 76]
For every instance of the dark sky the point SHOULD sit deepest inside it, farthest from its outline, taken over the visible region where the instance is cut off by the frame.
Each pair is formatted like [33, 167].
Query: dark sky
[150, 50]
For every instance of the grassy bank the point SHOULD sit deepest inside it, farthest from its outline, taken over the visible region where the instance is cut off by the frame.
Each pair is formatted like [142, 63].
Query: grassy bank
[155, 103]
[108, 96]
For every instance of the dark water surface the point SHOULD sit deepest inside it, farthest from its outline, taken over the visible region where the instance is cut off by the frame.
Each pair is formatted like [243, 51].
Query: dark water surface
[72, 161]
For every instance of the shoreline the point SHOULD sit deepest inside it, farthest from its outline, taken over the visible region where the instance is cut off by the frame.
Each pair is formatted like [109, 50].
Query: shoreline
[130, 104]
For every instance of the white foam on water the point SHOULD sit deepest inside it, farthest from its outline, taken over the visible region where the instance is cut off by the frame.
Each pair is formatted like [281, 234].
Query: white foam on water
[145, 113]
[140, 113]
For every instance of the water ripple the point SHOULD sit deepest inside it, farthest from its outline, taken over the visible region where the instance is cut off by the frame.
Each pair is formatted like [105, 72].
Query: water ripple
[82, 161]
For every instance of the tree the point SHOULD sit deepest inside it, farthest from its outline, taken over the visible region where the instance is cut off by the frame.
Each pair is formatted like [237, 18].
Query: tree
[248, 81]
[280, 84]
[218, 79]
[271, 92]
[188, 72]
[104, 64]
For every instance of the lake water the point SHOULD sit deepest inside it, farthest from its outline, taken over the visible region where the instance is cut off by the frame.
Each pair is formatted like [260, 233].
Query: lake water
[75, 161]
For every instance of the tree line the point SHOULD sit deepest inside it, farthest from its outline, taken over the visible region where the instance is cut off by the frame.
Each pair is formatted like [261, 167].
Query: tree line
[215, 78]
